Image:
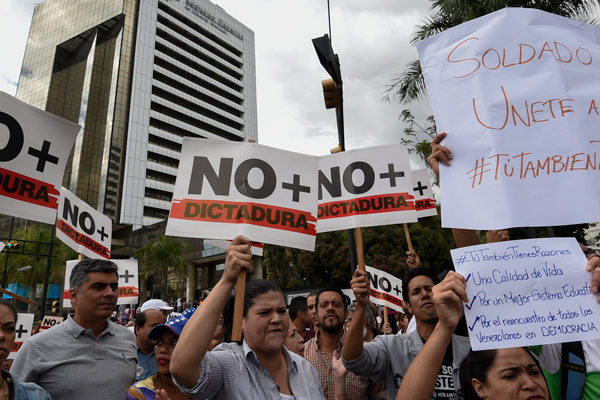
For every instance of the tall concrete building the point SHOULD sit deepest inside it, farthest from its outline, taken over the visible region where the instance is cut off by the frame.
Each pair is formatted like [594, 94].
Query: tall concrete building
[138, 76]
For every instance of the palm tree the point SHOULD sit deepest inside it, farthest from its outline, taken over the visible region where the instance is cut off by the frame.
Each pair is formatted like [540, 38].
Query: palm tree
[445, 14]
[161, 253]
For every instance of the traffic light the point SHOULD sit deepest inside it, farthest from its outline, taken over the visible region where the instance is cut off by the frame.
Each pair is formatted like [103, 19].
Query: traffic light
[55, 307]
[331, 93]
[12, 245]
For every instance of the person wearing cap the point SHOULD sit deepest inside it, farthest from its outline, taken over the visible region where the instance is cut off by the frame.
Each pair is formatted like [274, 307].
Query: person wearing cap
[165, 335]
[87, 356]
[144, 322]
[157, 304]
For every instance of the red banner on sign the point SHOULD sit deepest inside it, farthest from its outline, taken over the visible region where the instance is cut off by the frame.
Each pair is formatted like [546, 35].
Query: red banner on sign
[367, 205]
[386, 297]
[24, 188]
[244, 213]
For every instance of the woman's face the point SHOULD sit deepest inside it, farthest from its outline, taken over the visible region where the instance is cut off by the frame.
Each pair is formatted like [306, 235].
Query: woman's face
[294, 341]
[7, 332]
[164, 348]
[266, 323]
[514, 375]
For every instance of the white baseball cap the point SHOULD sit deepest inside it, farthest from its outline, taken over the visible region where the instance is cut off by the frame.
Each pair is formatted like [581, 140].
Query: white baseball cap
[155, 304]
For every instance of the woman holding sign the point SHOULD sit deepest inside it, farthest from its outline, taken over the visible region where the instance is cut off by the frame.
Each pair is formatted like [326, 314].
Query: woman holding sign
[10, 388]
[260, 366]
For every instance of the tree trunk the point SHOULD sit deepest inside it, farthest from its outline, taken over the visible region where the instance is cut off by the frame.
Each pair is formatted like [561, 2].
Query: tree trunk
[164, 286]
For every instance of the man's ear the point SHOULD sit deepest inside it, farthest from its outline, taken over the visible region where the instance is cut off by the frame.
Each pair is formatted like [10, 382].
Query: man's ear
[408, 307]
[73, 296]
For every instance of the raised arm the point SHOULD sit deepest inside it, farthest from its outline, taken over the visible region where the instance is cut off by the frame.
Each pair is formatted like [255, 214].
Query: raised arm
[420, 378]
[195, 338]
[353, 343]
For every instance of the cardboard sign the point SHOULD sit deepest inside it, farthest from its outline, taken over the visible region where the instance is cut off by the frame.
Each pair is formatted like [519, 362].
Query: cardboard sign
[255, 247]
[49, 321]
[36, 146]
[23, 330]
[365, 187]
[424, 201]
[81, 227]
[224, 189]
[386, 289]
[527, 292]
[517, 92]
[128, 281]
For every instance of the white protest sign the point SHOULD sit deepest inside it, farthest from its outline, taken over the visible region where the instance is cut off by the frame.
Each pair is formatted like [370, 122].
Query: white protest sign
[128, 281]
[2, 244]
[386, 289]
[517, 92]
[424, 200]
[527, 292]
[81, 227]
[255, 247]
[23, 330]
[224, 189]
[34, 148]
[365, 187]
[49, 321]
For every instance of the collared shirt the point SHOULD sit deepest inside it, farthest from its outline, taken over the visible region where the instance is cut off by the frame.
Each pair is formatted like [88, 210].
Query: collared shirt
[70, 362]
[308, 334]
[146, 365]
[355, 387]
[232, 371]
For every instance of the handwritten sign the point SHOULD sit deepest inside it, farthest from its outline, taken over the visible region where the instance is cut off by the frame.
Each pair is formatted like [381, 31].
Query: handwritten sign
[386, 289]
[424, 201]
[224, 189]
[81, 227]
[365, 187]
[255, 247]
[128, 281]
[527, 292]
[517, 92]
[35, 148]
[49, 321]
[23, 330]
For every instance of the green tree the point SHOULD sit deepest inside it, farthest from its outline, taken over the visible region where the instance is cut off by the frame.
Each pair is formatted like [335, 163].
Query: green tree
[35, 238]
[160, 254]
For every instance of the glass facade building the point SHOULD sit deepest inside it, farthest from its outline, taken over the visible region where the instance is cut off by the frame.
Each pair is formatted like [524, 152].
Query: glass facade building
[138, 76]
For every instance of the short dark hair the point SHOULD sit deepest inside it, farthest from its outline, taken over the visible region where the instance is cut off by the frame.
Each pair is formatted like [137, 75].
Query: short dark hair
[11, 307]
[298, 303]
[332, 288]
[413, 273]
[140, 319]
[80, 272]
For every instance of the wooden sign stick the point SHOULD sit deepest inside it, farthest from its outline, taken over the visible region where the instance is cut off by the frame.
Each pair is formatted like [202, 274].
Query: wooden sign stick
[238, 307]
[16, 296]
[80, 257]
[410, 246]
[385, 316]
[360, 255]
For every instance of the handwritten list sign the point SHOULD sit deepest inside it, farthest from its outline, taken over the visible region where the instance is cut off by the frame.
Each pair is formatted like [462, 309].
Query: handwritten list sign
[517, 92]
[527, 292]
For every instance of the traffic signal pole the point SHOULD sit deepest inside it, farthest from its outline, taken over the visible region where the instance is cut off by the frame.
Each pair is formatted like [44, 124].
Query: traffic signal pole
[7, 253]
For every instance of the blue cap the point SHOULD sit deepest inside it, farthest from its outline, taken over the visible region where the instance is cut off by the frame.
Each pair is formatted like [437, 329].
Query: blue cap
[188, 312]
[175, 325]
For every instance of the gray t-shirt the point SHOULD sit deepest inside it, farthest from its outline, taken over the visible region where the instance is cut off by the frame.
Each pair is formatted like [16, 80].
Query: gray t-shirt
[71, 363]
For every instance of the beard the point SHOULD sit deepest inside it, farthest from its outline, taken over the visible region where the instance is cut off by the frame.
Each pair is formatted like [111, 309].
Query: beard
[332, 328]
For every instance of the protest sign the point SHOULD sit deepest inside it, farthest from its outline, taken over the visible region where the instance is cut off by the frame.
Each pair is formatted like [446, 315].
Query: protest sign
[128, 281]
[224, 189]
[49, 321]
[527, 292]
[255, 247]
[365, 187]
[81, 227]
[424, 201]
[32, 162]
[386, 289]
[22, 332]
[517, 92]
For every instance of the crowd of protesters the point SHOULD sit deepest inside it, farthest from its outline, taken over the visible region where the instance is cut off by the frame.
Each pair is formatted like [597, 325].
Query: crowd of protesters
[317, 347]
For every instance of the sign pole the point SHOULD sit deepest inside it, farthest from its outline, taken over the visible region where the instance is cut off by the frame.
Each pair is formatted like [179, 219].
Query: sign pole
[360, 255]
[238, 308]
[44, 294]
[410, 246]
